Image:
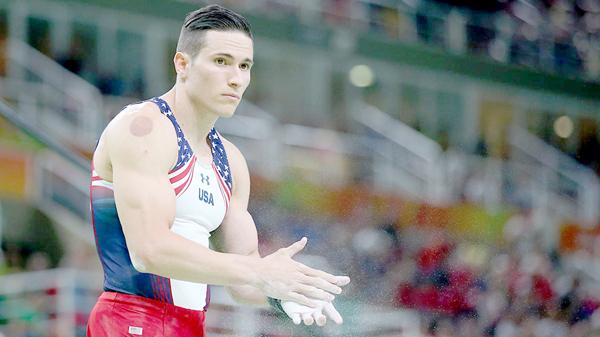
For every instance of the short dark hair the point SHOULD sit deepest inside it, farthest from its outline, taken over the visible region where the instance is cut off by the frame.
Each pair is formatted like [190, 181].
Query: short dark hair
[212, 17]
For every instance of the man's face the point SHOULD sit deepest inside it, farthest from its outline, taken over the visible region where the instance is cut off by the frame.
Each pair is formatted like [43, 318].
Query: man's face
[219, 74]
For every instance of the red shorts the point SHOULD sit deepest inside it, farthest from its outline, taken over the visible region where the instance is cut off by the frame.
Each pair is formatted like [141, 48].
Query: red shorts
[116, 315]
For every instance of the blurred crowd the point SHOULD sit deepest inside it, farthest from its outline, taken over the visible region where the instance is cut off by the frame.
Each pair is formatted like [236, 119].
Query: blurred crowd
[519, 286]
[560, 36]
[20, 317]
[555, 35]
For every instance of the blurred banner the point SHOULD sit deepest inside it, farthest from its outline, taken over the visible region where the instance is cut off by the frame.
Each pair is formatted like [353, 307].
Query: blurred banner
[15, 168]
[16, 150]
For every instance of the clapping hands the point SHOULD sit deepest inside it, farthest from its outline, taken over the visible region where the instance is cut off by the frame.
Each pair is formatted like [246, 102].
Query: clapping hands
[300, 313]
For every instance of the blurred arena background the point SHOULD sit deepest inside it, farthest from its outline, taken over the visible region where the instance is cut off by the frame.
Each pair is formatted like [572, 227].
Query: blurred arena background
[444, 154]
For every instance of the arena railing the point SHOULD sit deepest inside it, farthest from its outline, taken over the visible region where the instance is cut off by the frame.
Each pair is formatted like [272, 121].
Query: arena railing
[60, 176]
[564, 178]
[51, 97]
[536, 177]
[497, 183]
[57, 302]
[322, 156]
[404, 163]
[414, 159]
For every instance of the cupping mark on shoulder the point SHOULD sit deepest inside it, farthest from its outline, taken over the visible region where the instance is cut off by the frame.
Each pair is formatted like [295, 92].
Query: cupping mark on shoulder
[140, 126]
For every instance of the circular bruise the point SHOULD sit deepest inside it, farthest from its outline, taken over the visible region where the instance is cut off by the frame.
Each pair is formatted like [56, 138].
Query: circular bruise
[140, 126]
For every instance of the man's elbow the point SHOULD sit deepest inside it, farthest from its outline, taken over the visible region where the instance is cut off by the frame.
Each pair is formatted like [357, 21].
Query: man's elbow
[236, 295]
[143, 259]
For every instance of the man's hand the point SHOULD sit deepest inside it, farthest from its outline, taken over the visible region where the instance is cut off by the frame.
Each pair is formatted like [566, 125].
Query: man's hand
[289, 280]
[301, 313]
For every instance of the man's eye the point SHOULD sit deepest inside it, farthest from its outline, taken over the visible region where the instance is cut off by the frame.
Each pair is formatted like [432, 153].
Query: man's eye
[245, 66]
[220, 61]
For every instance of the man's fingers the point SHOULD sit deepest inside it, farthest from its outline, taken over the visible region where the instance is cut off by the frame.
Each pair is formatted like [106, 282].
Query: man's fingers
[295, 247]
[336, 280]
[296, 318]
[321, 284]
[307, 319]
[314, 293]
[301, 299]
[332, 313]
[342, 280]
[320, 319]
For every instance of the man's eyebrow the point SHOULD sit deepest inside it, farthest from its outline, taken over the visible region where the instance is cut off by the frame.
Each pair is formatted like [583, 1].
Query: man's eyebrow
[231, 57]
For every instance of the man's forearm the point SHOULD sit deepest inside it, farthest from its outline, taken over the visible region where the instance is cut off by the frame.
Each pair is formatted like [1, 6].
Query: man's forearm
[176, 257]
[248, 295]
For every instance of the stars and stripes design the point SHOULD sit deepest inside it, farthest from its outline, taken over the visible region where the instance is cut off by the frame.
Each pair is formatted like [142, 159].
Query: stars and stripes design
[181, 178]
[119, 273]
[182, 174]
[185, 151]
[98, 182]
[221, 165]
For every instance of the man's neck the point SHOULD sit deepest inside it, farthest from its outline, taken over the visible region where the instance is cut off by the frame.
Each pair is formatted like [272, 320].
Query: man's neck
[195, 122]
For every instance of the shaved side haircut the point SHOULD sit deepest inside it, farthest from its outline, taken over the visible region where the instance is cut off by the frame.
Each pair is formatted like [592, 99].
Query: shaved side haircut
[212, 17]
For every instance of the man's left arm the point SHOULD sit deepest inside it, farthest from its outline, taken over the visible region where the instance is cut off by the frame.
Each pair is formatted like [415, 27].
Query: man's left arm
[237, 234]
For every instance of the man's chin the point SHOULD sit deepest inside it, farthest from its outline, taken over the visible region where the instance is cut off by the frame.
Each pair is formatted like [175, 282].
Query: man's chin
[226, 113]
[225, 110]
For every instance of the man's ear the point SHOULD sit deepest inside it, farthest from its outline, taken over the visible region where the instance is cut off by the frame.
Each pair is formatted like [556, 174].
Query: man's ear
[181, 61]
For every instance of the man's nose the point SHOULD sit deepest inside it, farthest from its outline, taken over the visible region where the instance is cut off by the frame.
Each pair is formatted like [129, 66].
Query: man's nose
[235, 78]
[234, 83]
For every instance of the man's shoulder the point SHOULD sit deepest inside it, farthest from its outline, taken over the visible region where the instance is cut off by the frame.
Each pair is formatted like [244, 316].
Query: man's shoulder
[142, 110]
[140, 131]
[139, 121]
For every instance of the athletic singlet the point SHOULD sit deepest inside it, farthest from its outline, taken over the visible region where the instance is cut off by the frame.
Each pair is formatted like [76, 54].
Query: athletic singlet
[203, 193]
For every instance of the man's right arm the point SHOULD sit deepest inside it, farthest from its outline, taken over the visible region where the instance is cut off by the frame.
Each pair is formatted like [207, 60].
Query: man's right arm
[142, 150]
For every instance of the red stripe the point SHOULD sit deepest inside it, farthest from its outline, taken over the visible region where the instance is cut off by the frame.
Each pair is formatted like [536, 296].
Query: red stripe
[160, 289]
[93, 221]
[224, 196]
[164, 288]
[153, 285]
[222, 187]
[187, 184]
[184, 185]
[222, 182]
[94, 178]
[167, 289]
[170, 290]
[185, 172]
[97, 187]
[224, 190]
